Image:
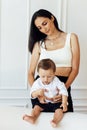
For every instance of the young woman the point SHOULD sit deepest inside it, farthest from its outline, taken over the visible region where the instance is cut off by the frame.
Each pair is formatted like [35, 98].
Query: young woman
[46, 40]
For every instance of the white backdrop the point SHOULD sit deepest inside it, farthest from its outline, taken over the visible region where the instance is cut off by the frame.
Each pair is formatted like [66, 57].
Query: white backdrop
[15, 16]
[13, 51]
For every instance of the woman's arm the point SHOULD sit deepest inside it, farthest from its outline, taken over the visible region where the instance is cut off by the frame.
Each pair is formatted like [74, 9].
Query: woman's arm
[64, 103]
[75, 60]
[33, 63]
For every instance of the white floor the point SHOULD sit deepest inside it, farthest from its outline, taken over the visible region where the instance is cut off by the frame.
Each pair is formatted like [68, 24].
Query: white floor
[11, 119]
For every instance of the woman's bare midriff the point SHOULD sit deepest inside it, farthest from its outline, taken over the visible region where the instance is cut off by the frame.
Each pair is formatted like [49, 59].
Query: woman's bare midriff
[63, 71]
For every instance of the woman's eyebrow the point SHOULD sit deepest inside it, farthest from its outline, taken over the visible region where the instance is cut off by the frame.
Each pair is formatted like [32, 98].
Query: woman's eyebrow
[38, 26]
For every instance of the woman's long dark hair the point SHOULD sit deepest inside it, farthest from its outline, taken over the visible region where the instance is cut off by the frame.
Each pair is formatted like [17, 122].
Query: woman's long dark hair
[35, 35]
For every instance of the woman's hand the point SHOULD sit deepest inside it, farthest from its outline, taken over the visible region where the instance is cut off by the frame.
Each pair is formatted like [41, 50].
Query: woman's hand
[55, 99]
[64, 106]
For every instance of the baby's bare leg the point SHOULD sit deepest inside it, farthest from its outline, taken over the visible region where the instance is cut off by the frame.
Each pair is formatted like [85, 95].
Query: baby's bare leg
[58, 115]
[34, 115]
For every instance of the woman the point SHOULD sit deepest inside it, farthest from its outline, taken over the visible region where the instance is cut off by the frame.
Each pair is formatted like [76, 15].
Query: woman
[46, 40]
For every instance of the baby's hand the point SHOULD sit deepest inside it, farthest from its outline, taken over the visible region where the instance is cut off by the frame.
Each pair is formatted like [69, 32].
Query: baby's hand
[42, 99]
[40, 92]
[41, 96]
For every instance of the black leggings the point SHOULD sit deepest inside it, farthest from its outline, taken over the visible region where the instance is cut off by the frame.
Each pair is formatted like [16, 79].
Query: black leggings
[70, 102]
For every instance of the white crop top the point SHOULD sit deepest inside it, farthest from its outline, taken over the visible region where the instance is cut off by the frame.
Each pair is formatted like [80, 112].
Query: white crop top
[62, 57]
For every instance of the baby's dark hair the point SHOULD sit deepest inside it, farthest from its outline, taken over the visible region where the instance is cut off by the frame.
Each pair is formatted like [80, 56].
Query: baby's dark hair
[46, 64]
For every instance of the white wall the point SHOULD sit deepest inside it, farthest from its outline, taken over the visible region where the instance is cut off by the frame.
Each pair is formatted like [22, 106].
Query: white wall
[15, 16]
[77, 22]
[13, 43]
[14, 21]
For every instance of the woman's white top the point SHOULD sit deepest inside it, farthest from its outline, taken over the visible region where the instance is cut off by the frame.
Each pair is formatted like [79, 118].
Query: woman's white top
[62, 57]
[53, 88]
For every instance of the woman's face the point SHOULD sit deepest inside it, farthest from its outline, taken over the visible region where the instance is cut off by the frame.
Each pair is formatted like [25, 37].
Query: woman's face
[45, 25]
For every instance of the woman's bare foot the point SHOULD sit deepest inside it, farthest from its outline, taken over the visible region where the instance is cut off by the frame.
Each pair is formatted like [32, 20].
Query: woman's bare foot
[53, 123]
[29, 119]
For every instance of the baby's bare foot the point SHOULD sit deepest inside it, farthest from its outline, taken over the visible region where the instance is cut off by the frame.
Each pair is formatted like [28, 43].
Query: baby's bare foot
[29, 119]
[53, 123]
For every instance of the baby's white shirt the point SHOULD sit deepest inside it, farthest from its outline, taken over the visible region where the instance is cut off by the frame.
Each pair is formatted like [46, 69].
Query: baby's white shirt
[53, 88]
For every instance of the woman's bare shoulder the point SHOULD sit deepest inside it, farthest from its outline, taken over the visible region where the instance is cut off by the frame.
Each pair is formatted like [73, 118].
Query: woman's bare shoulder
[36, 47]
[74, 40]
[74, 36]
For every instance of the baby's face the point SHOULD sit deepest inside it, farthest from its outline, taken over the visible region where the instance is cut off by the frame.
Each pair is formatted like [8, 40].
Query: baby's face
[46, 75]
